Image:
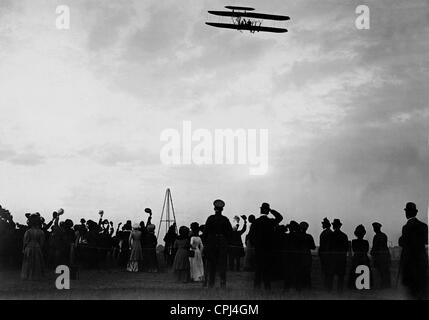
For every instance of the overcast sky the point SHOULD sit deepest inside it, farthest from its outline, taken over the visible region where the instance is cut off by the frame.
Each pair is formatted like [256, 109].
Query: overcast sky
[347, 110]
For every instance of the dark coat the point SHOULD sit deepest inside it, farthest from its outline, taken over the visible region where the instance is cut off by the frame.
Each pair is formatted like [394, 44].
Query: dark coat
[380, 252]
[414, 259]
[217, 233]
[339, 246]
[262, 231]
[324, 251]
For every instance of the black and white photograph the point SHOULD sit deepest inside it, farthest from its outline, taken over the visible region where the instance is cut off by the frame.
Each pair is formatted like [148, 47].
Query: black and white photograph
[226, 151]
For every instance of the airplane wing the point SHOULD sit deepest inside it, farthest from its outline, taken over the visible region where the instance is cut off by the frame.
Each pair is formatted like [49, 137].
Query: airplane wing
[239, 8]
[250, 15]
[245, 27]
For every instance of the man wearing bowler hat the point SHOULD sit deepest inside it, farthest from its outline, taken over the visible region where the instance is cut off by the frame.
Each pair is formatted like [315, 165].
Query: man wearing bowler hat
[381, 255]
[339, 246]
[218, 232]
[262, 237]
[414, 259]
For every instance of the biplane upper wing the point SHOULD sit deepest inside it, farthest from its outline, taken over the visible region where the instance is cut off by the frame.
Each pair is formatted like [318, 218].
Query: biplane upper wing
[250, 15]
[239, 8]
[246, 27]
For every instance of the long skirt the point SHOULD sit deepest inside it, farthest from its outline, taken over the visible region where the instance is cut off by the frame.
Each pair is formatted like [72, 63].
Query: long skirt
[181, 260]
[197, 266]
[136, 257]
[32, 264]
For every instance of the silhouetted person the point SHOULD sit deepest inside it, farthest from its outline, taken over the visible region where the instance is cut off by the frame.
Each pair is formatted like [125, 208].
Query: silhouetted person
[181, 259]
[287, 257]
[249, 260]
[124, 245]
[236, 249]
[217, 231]
[149, 242]
[169, 239]
[307, 259]
[414, 259]
[360, 248]
[263, 231]
[339, 246]
[294, 248]
[34, 239]
[203, 237]
[324, 252]
[381, 256]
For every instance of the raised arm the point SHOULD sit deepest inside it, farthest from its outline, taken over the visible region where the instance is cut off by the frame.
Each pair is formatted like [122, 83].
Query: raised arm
[277, 216]
[46, 228]
[117, 229]
[244, 228]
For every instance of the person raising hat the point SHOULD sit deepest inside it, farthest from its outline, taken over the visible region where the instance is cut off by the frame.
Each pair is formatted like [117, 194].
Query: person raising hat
[262, 235]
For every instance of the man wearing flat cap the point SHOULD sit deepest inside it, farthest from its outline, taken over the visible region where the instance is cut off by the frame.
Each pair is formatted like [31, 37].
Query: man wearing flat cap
[414, 258]
[262, 234]
[217, 233]
[381, 255]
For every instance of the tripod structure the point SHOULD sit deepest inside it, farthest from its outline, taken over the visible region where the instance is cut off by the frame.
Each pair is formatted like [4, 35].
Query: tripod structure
[167, 208]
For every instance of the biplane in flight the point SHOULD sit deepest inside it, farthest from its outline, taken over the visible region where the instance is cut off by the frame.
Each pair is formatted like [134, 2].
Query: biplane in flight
[243, 18]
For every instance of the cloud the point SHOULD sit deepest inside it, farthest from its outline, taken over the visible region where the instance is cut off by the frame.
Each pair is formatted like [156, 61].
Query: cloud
[107, 21]
[112, 155]
[23, 158]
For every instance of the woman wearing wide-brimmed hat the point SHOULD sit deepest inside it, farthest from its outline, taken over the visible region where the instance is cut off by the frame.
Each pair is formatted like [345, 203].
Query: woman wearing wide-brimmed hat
[34, 239]
[136, 255]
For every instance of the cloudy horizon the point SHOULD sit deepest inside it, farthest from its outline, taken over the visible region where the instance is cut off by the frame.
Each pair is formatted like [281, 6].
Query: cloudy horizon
[347, 110]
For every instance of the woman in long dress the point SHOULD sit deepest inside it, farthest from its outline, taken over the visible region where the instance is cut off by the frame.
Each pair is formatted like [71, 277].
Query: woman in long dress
[34, 239]
[181, 259]
[136, 255]
[196, 261]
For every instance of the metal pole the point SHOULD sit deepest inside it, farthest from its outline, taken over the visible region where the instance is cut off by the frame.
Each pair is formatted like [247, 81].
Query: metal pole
[162, 214]
[172, 208]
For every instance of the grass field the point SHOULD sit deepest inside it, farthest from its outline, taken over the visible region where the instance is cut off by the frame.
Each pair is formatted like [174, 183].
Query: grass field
[118, 284]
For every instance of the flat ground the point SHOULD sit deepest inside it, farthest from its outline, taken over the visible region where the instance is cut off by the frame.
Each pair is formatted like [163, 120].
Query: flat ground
[118, 284]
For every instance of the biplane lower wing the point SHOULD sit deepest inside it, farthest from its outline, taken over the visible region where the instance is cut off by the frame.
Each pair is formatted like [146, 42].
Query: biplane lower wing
[246, 27]
[253, 15]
